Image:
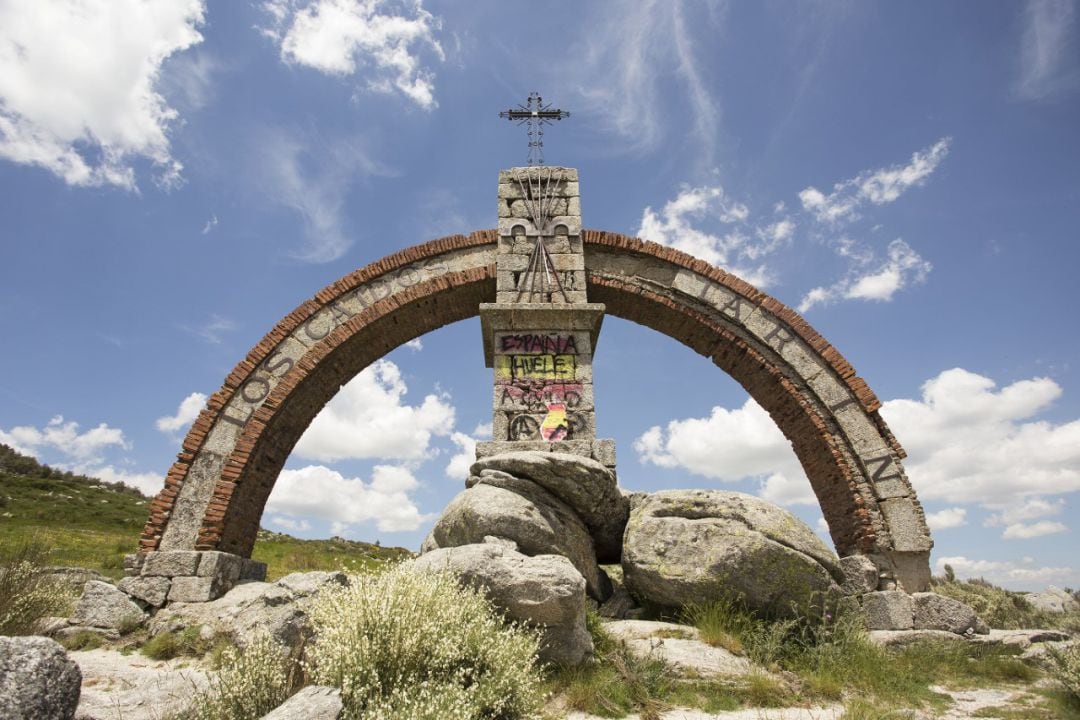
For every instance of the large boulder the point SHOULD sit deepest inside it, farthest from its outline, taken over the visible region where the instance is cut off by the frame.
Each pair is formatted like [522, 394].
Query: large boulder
[589, 488]
[520, 510]
[545, 591]
[38, 681]
[251, 608]
[687, 547]
[1053, 599]
[103, 605]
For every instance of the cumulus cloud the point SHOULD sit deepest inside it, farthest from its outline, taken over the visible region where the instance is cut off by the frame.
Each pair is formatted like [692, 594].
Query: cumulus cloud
[64, 437]
[1010, 574]
[729, 239]
[970, 442]
[380, 38]
[947, 518]
[367, 419]
[903, 267]
[185, 414]
[288, 524]
[78, 85]
[1025, 531]
[146, 483]
[458, 467]
[878, 187]
[730, 446]
[1047, 65]
[316, 491]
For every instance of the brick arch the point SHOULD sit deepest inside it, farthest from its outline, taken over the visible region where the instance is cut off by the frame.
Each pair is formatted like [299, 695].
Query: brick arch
[215, 492]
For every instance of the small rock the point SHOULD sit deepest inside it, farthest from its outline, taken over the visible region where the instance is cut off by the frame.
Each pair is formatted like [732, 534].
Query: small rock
[315, 702]
[105, 606]
[888, 610]
[860, 575]
[937, 612]
[38, 681]
[545, 591]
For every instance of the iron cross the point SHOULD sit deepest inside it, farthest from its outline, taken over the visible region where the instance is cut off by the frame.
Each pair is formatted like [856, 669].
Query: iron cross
[537, 115]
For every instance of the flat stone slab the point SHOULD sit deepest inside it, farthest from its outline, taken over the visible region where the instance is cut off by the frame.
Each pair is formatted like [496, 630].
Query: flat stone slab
[678, 645]
[134, 687]
[1022, 638]
[903, 638]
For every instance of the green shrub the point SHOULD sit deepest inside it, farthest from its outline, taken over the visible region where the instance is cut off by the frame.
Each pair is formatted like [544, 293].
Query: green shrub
[1001, 608]
[27, 595]
[250, 683]
[168, 645]
[402, 644]
[1065, 666]
[82, 640]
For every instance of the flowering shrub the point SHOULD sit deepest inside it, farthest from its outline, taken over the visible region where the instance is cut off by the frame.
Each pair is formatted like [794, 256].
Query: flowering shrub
[404, 645]
[1065, 666]
[251, 683]
[27, 595]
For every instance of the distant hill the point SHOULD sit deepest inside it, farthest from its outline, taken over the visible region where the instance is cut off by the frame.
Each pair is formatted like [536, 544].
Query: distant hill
[86, 522]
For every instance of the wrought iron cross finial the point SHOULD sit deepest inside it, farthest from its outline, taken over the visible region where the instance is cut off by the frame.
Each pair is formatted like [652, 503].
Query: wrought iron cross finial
[537, 115]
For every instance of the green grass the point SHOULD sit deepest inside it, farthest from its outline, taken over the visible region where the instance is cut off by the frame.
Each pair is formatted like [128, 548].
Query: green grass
[87, 523]
[1002, 608]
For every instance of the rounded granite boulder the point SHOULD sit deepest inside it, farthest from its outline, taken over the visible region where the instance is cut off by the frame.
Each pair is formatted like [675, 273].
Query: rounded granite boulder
[685, 547]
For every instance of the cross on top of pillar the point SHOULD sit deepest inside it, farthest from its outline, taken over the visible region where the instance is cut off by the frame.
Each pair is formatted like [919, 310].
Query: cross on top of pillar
[536, 115]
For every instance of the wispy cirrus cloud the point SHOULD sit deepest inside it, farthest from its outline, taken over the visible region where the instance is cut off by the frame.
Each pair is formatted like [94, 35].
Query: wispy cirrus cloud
[1047, 64]
[312, 177]
[79, 91]
[379, 39]
[629, 56]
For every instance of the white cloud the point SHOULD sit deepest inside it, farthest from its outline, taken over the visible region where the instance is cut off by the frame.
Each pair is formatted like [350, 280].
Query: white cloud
[313, 179]
[970, 443]
[78, 79]
[947, 518]
[64, 437]
[416, 344]
[1024, 575]
[1024, 531]
[733, 243]
[146, 483]
[879, 187]
[289, 524]
[626, 62]
[345, 37]
[730, 446]
[367, 419]
[210, 225]
[1048, 66]
[213, 330]
[458, 467]
[904, 267]
[1032, 509]
[185, 414]
[316, 491]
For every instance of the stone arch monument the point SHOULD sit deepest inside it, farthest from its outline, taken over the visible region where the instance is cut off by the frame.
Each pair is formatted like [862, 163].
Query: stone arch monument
[531, 280]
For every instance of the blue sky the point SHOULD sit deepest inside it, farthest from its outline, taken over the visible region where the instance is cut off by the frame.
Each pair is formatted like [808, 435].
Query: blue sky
[178, 175]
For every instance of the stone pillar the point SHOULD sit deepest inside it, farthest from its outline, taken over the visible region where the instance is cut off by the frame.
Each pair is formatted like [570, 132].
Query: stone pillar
[540, 335]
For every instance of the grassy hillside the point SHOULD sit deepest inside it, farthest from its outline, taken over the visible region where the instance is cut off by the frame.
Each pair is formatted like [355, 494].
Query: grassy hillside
[89, 523]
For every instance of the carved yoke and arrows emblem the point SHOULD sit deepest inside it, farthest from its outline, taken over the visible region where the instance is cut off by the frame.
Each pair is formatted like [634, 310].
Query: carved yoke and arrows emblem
[538, 190]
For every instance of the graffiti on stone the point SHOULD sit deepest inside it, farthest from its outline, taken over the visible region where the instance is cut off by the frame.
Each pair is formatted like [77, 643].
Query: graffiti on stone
[512, 368]
[555, 425]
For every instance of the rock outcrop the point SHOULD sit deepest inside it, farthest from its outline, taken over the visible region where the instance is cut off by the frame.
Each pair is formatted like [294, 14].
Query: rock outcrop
[585, 485]
[251, 608]
[315, 702]
[694, 546]
[505, 506]
[1053, 599]
[38, 681]
[544, 591]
